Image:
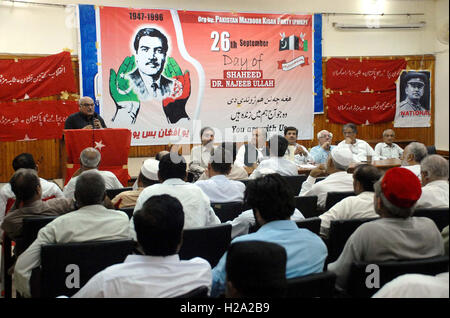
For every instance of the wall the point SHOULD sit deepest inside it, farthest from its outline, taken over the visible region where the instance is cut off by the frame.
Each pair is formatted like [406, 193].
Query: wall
[36, 29]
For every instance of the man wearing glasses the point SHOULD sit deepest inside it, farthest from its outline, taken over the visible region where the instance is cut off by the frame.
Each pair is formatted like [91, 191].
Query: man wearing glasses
[86, 118]
[322, 150]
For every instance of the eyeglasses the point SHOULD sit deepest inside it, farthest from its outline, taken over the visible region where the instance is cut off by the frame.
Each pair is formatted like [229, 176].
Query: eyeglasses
[87, 105]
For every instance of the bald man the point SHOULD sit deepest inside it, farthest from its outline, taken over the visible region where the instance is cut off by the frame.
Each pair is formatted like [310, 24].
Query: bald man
[86, 118]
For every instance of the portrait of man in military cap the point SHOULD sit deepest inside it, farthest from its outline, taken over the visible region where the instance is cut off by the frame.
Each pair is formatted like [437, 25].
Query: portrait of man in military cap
[414, 91]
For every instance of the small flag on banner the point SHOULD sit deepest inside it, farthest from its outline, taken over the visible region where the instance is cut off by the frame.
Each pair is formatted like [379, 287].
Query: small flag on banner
[289, 43]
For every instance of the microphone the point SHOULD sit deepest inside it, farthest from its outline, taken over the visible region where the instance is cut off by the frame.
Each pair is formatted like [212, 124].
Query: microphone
[94, 117]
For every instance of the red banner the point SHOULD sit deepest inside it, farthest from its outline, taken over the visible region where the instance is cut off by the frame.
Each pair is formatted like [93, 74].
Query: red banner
[361, 75]
[361, 108]
[39, 77]
[113, 144]
[31, 120]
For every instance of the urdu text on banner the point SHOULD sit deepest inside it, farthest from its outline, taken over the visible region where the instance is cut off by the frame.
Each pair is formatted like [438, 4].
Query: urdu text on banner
[165, 73]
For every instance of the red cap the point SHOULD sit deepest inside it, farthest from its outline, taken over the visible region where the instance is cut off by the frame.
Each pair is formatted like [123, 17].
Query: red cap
[401, 187]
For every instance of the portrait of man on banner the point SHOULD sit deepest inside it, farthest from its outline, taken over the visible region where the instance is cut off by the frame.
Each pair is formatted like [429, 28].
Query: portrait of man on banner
[149, 75]
[413, 99]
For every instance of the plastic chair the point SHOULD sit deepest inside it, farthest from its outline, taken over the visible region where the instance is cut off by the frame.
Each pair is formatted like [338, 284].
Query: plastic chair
[128, 211]
[209, 243]
[80, 260]
[335, 197]
[439, 216]
[340, 231]
[312, 224]
[30, 229]
[307, 205]
[295, 182]
[313, 285]
[199, 292]
[111, 193]
[390, 270]
[227, 211]
[7, 261]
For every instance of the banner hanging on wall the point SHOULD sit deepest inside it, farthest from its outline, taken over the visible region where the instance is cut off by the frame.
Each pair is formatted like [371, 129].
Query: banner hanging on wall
[165, 74]
[413, 100]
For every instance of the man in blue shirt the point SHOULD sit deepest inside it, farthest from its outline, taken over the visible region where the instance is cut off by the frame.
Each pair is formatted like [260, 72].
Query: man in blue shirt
[322, 150]
[273, 205]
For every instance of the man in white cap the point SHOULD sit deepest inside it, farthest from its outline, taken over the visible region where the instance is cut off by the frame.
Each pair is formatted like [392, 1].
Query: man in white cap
[395, 235]
[338, 179]
[147, 177]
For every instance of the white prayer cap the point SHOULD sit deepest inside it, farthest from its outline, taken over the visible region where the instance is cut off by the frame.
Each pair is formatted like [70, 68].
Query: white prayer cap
[150, 169]
[342, 155]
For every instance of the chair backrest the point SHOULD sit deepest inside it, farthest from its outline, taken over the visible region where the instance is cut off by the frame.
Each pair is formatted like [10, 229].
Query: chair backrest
[6, 262]
[65, 268]
[387, 271]
[313, 285]
[439, 216]
[312, 224]
[340, 231]
[335, 197]
[111, 193]
[209, 242]
[244, 181]
[295, 182]
[128, 211]
[199, 292]
[227, 211]
[31, 227]
[307, 205]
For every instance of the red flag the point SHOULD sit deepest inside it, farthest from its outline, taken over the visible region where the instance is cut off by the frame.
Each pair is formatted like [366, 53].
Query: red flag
[39, 77]
[30, 120]
[361, 108]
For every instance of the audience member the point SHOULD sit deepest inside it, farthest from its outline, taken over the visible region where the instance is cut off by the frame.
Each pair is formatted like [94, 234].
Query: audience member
[434, 172]
[255, 269]
[337, 180]
[200, 155]
[161, 154]
[236, 173]
[196, 204]
[295, 152]
[396, 235]
[250, 155]
[218, 188]
[444, 234]
[322, 150]
[147, 177]
[354, 207]
[91, 222]
[415, 286]
[90, 160]
[413, 154]
[276, 163]
[359, 148]
[159, 272]
[273, 205]
[49, 190]
[26, 186]
[388, 149]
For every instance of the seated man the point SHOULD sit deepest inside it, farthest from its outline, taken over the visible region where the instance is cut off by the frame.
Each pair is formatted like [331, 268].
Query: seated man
[91, 222]
[354, 207]
[276, 162]
[396, 235]
[196, 205]
[295, 152]
[359, 148]
[218, 188]
[434, 172]
[49, 190]
[200, 155]
[413, 154]
[26, 186]
[255, 269]
[388, 149]
[147, 177]
[250, 155]
[159, 272]
[338, 179]
[321, 152]
[273, 205]
[161, 154]
[90, 160]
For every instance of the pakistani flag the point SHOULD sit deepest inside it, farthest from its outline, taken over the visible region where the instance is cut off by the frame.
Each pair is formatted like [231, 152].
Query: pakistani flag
[289, 43]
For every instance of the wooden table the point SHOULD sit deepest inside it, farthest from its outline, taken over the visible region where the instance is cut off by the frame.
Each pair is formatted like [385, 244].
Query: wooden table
[380, 164]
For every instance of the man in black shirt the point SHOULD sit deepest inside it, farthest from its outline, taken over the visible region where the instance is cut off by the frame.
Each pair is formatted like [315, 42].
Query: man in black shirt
[86, 118]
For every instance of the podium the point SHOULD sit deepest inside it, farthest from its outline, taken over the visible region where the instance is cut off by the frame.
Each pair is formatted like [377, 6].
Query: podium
[112, 143]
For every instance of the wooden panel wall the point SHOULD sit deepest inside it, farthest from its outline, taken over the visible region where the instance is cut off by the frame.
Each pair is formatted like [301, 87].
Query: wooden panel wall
[49, 153]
